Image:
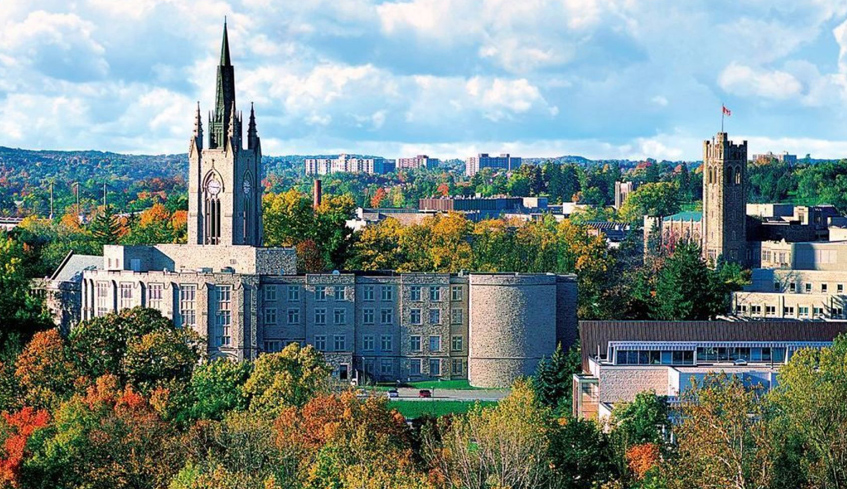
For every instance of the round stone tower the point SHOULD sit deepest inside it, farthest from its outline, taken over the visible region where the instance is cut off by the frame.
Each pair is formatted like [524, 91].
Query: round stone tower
[512, 325]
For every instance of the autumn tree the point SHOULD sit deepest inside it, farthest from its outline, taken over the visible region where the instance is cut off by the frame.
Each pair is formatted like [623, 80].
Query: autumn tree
[504, 446]
[17, 429]
[288, 378]
[379, 196]
[45, 370]
[217, 388]
[651, 199]
[723, 437]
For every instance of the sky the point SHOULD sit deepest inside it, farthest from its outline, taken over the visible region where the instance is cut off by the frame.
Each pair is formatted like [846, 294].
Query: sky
[449, 78]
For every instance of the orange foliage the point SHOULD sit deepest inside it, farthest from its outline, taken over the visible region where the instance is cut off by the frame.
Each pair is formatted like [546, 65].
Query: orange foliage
[642, 458]
[21, 425]
[154, 215]
[179, 220]
[443, 189]
[378, 197]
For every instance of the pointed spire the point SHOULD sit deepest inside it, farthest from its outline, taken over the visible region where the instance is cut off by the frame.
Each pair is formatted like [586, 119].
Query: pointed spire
[252, 134]
[198, 128]
[225, 61]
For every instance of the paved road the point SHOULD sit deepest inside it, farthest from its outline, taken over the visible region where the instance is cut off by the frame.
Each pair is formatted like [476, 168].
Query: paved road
[411, 394]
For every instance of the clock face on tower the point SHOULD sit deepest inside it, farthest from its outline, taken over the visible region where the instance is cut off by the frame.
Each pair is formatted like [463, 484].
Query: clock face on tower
[213, 187]
[247, 187]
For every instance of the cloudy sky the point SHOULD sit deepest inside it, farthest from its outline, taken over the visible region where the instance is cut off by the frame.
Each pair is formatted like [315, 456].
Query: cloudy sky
[599, 78]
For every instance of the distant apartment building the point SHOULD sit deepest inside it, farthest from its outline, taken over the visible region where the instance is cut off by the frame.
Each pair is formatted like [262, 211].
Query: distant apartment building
[348, 164]
[622, 191]
[503, 162]
[783, 157]
[475, 208]
[419, 161]
[623, 358]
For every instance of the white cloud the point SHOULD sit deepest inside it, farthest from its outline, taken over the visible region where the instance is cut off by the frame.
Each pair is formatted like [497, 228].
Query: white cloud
[745, 81]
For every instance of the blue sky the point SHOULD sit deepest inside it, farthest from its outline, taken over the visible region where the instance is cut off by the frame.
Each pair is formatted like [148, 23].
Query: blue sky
[599, 78]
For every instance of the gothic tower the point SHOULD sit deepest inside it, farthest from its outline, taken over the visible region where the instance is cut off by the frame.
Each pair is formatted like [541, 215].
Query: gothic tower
[224, 188]
[724, 230]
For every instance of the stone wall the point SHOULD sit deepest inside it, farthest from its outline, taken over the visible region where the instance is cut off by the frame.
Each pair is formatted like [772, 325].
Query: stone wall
[512, 326]
[622, 384]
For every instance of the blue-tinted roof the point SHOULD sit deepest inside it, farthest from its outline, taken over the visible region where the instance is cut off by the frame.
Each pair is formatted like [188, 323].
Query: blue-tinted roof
[685, 216]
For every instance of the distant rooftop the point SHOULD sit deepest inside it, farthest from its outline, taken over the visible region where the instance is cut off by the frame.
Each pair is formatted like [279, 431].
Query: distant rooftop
[686, 216]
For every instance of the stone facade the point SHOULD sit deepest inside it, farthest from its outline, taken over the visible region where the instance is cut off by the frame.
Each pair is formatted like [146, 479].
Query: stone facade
[793, 294]
[622, 384]
[724, 227]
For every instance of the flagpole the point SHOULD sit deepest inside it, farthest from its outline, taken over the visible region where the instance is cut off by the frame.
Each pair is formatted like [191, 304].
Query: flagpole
[723, 112]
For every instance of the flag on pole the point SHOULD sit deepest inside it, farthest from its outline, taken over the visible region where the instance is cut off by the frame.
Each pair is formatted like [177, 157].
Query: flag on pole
[726, 111]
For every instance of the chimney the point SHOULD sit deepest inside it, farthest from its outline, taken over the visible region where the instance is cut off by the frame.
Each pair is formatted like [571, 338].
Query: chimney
[316, 193]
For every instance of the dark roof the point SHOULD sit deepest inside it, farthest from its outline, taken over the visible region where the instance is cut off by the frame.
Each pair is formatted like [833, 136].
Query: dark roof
[594, 334]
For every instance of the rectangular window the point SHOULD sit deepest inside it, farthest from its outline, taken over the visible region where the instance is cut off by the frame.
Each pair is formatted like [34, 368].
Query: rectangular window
[415, 293]
[368, 292]
[339, 316]
[756, 310]
[320, 342]
[320, 316]
[792, 287]
[293, 293]
[270, 292]
[788, 311]
[273, 346]
[434, 367]
[386, 293]
[837, 312]
[386, 342]
[154, 296]
[223, 316]
[435, 316]
[368, 342]
[803, 311]
[293, 316]
[340, 293]
[823, 288]
[187, 301]
[456, 317]
[456, 292]
[817, 311]
[808, 287]
[415, 366]
[839, 288]
[270, 316]
[386, 316]
[340, 342]
[777, 287]
[385, 367]
[770, 310]
[320, 293]
[126, 296]
[415, 316]
[415, 343]
[435, 343]
[457, 343]
[367, 316]
[457, 366]
[435, 294]
[103, 298]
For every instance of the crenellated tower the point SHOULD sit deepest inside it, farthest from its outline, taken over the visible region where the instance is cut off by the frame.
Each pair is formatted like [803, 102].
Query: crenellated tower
[724, 227]
[225, 192]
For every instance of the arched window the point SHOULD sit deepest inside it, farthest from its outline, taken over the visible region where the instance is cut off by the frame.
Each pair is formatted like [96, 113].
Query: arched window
[212, 210]
[729, 178]
[738, 176]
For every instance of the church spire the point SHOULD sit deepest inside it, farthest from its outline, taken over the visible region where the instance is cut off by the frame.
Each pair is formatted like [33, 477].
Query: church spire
[252, 134]
[198, 128]
[225, 100]
[225, 48]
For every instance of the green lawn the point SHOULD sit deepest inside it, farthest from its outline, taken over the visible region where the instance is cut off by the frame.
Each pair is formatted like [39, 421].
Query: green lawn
[416, 409]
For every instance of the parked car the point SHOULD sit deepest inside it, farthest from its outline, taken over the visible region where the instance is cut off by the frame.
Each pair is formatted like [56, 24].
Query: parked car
[393, 393]
[740, 362]
[424, 393]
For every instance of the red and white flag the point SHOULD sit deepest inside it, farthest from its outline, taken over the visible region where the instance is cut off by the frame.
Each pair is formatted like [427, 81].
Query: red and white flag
[726, 111]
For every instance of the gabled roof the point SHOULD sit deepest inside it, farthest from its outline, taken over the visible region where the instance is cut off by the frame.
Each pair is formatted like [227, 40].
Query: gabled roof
[74, 264]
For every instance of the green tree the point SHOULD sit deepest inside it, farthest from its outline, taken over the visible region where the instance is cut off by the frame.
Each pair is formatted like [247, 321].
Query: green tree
[809, 402]
[644, 420]
[160, 356]
[686, 288]
[22, 313]
[218, 388]
[106, 227]
[652, 199]
[288, 378]
[553, 379]
[99, 345]
[580, 454]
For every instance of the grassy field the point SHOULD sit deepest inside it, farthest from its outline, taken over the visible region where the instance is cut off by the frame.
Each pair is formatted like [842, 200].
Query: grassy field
[415, 409]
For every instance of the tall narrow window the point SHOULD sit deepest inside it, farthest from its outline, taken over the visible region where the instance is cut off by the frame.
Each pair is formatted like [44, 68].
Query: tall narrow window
[213, 211]
[224, 314]
[187, 298]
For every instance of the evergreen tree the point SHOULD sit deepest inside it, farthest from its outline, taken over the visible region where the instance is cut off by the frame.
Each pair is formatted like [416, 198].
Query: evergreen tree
[553, 378]
[105, 228]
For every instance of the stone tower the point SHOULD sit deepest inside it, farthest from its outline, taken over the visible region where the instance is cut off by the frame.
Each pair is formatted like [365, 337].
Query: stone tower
[724, 200]
[224, 186]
